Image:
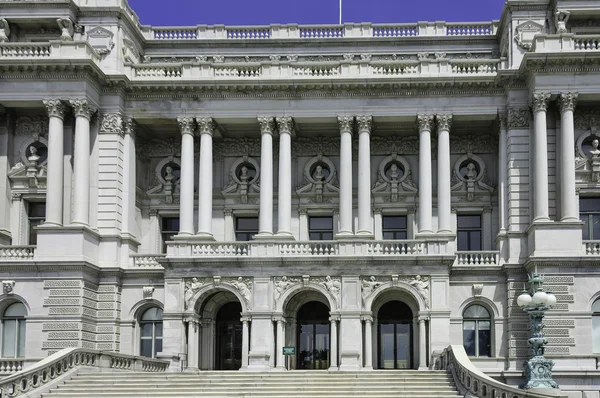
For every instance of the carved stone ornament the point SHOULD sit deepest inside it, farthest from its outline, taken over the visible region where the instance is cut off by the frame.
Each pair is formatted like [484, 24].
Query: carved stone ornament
[425, 122]
[284, 283]
[267, 124]
[244, 177]
[394, 179]
[405, 145]
[368, 285]
[4, 30]
[312, 145]
[473, 144]
[244, 286]
[477, 289]
[444, 122]
[81, 107]
[111, 123]
[285, 124]
[320, 180]
[422, 286]
[567, 102]
[364, 123]
[101, 39]
[345, 123]
[525, 32]
[55, 107]
[332, 285]
[147, 292]
[168, 146]
[539, 102]
[469, 176]
[8, 286]
[66, 29]
[166, 183]
[31, 171]
[518, 118]
[206, 125]
[186, 125]
[561, 17]
[587, 159]
[32, 126]
[191, 287]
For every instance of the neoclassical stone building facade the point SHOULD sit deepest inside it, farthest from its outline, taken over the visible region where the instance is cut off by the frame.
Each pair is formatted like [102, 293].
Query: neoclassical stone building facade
[367, 194]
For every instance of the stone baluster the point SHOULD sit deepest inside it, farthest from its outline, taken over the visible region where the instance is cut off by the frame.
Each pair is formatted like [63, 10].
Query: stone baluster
[368, 343]
[81, 163]
[345, 172]
[245, 341]
[568, 196]
[425, 178]
[206, 126]
[265, 221]
[539, 105]
[186, 184]
[444, 122]
[55, 163]
[280, 343]
[285, 126]
[365, 222]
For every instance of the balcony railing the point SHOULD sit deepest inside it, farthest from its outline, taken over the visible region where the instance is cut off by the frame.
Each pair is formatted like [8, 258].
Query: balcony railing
[592, 247]
[477, 258]
[65, 50]
[16, 253]
[146, 260]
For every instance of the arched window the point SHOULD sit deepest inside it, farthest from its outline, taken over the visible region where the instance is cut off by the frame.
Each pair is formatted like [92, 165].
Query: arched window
[596, 327]
[151, 336]
[13, 331]
[477, 328]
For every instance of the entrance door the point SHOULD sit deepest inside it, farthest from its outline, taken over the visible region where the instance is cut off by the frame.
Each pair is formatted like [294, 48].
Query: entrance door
[395, 336]
[229, 337]
[313, 336]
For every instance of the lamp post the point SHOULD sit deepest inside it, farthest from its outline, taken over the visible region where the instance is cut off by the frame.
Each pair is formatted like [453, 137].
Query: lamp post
[537, 370]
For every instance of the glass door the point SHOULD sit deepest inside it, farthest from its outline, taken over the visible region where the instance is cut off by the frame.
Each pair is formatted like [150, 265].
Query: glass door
[313, 336]
[229, 337]
[395, 336]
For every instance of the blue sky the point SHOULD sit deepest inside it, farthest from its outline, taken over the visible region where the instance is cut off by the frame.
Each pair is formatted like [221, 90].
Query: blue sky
[264, 12]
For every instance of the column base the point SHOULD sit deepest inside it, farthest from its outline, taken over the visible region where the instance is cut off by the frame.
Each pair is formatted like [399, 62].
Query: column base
[68, 243]
[333, 369]
[279, 369]
[350, 361]
[365, 235]
[283, 236]
[422, 368]
[263, 236]
[367, 369]
[183, 236]
[258, 362]
[204, 236]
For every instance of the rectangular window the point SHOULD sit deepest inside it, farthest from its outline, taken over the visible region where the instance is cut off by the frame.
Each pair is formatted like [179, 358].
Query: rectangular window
[36, 215]
[245, 228]
[468, 233]
[169, 228]
[320, 228]
[394, 227]
[589, 213]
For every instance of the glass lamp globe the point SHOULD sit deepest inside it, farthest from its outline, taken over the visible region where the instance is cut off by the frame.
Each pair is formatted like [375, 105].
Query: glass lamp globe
[540, 297]
[551, 300]
[524, 299]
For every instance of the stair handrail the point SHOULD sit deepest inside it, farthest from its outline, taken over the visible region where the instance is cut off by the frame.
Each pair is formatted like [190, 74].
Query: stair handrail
[61, 362]
[472, 382]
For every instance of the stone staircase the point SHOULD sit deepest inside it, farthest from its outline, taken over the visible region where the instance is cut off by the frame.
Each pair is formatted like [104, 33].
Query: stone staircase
[89, 383]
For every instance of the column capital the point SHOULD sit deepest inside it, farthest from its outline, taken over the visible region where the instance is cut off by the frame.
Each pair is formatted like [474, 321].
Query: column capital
[539, 102]
[503, 120]
[365, 123]
[267, 126]
[425, 122]
[567, 102]
[130, 126]
[187, 125]
[82, 107]
[444, 121]
[111, 123]
[345, 123]
[206, 125]
[285, 124]
[55, 107]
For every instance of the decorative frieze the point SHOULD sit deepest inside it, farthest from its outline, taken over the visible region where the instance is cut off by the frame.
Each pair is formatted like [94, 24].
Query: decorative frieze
[314, 145]
[408, 145]
[111, 123]
[473, 144]
[518, 118]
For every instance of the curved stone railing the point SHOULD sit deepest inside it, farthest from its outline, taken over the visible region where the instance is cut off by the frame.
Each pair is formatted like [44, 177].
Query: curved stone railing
[68, 359]
[478, 258]
[592, 247]
[472, 382]
[16, 253]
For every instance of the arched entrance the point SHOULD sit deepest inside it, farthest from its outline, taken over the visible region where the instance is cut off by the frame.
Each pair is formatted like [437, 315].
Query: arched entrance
[229, 337]
[395, 336]
[313, 336]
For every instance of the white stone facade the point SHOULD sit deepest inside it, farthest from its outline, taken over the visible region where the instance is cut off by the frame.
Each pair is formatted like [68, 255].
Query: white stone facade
[120, 130]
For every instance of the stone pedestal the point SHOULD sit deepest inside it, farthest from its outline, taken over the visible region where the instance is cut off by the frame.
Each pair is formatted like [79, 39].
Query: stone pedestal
[350, 343]
[551, 239]
[69, 243]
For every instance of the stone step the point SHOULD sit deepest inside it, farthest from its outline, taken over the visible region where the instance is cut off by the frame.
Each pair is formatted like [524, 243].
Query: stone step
[281, 388]
[257, 394]
[416, 384]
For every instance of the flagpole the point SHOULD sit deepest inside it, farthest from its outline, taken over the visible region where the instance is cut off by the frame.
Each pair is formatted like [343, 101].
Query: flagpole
[340, 12]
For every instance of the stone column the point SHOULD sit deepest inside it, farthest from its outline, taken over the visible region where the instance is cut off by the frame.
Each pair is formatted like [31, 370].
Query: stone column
[81, 162]
[192, 347]
[186, 180]
[206, 125]
[333, 362]
[422, 345]
[280, 344]
[265, 221]
[368, 343]
[345, 173]
[365, 222]
[55, 163]
[245, 342]
[425, 184]
[444, 194]
[568, 196]
[285, 126]
[539, 105]
[129, 179]
[502, 175]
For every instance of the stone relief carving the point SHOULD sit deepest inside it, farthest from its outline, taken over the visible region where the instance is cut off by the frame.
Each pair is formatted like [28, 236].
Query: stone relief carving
[587, 118]
[244, 286]
[332, 285]
[473, 144]
[561, 17]
[237, 147]
[312, 145]
[369, 285]
[8, 286]
[518, 118]
[112, 123]
[31, 171]
[587, 156]
[394, 178]
[166, 182]
[470, 176]
[101, 39]
[525, 32]
[159, 147]
[147, 292]
[191, 287]
[4, 30]
[408, 145]
[244, 175]
[319, 179]
[284, 283]
[422, 286]
[477, 289]
[67, 29]
[130, 51]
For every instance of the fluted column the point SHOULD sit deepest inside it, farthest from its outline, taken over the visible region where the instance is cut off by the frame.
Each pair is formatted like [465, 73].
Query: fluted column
[425, 184]
[81, 161]
[345, 171]
[539, 105]
[422, 345]
[55, 164]
[280, 343]
[502, 175]
[368, 342]
[365, 223]
[333, 362]
[245, 342]
[265, 221]
[206, 126]
[444, 197]
[186, 180]
[285, 125]
[568, 198]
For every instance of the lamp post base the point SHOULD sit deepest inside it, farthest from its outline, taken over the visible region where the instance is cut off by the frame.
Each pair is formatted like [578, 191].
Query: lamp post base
[538, 373]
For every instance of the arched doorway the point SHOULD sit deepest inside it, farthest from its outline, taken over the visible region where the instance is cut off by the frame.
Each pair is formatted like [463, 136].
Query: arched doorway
[312, 336]
[229, 337]
[395, 336]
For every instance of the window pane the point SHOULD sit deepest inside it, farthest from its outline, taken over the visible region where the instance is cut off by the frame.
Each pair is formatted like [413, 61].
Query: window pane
[463, 240]
[152, 314]
[158, 329]
[157, 346]
[394, 222]
[21, 339]
[469, 221]
[476, 311]
[146, 348]
[327, 236]
[586, 226]
[170, 224]
[9, 333]
[314, 236]
[596, 334]
[321, 223]
[485, 348]
[401, 235]
[246, 224]
[469, 337]
[475, 240]
[596, 227]
[37, 210]
[389, 235]
[589, 205]
[146, 329]
[16, 309]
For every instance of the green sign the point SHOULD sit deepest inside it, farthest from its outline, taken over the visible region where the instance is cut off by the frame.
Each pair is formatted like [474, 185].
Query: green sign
[289, 350]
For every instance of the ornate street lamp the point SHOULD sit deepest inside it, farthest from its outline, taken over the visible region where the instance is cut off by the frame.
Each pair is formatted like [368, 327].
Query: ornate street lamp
[538, 370]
